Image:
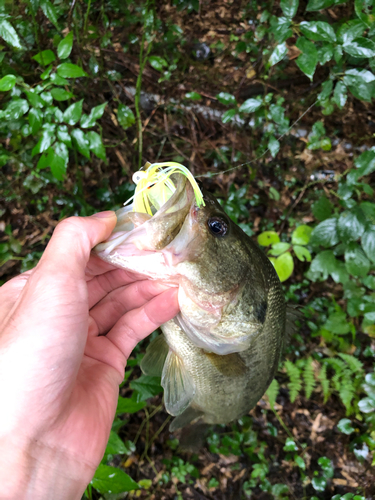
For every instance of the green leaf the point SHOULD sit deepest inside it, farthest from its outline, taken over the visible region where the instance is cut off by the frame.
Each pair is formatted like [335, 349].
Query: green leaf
[226, 98]
[7, 83]
[279, 248]
[325, 233]
[358, 76]
[45, 57]
[125, 116]
[360, 47]
[147, 386]
[289, 7]
[88, 121]
[35, 118]
[194, 96]
[115, 445]
[367, 405]
[250, 105]
[319, 483]
[323, 264]
[365, 163]
[368, 243]
[63, 135]
[300, 462]
[302, 253]
[8, 33]
[345, 426]
[322, 208]
[268, 238]
[34, 99]
[60, 161]
[301, 235]
[49, 11]
[73, 113]
[318, 31]
[356, 262]
[314, 5]
[308, 60]
[273, 145]
[228, 115]
[368, 209]
[16, 108]
[325, 53]
[68, 70]
[96, 145]
[350, 30]
[60, 94]
[126, 405]
[80, 142]
[65, 46]
[45, 159]
[47, 138]
[351, 225]
[112, 480]
[290, 445]
[158, 63]
[340, 94]
[278, 54]
[284, 266]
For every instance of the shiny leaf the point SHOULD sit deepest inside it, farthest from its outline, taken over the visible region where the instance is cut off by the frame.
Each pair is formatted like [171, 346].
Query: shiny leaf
[73, 113]
[125, 116]
[65, 46]
[8, 33]
[68, 70]
[112, 480]
[7, 83]
[268, 238]
[45, 57]
[80, 142]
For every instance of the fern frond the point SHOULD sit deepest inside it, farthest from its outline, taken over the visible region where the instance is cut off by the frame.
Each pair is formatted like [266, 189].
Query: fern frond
[354, 364]
[347, 392]
[324, 382]
[272, 393]
[308, 376]
[295, 383]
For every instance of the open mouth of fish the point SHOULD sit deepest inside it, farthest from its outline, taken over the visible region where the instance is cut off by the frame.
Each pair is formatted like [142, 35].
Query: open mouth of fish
[171, 246]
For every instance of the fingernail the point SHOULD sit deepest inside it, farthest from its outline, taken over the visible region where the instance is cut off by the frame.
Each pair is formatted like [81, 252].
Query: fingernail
[105, 215]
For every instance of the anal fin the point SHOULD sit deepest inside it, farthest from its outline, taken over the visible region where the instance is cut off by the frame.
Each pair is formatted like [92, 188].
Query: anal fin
[154, 359]
[179, 388]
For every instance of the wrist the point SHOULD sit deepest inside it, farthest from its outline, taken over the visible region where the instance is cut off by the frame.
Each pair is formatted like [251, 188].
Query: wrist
[38, 472]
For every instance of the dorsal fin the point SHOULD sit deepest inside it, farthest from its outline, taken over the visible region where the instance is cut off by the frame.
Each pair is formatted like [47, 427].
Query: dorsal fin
[154, 359]
[179, 388]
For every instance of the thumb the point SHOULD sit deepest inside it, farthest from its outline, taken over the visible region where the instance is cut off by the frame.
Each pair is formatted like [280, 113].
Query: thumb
[69, 248]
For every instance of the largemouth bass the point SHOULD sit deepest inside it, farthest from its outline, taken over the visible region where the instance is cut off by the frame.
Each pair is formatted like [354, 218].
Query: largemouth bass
[217, 358]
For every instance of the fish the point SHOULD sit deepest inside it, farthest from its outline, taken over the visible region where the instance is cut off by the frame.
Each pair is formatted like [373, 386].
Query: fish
[218, 356]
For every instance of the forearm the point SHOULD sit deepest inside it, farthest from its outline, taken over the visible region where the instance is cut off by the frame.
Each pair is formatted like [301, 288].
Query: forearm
[36, 472]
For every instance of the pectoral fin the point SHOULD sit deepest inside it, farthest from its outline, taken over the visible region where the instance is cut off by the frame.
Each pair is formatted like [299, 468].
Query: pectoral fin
[154, 359]
[230, 365]
[178, 385]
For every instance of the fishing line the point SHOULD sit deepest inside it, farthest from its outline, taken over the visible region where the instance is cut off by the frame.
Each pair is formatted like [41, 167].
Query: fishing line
[265, 152]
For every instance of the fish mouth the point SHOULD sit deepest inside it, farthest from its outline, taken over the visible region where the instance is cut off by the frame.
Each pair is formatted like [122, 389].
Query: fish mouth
[138, 236]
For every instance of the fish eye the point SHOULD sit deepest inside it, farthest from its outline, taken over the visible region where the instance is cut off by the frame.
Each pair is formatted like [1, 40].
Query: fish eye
[218, 226]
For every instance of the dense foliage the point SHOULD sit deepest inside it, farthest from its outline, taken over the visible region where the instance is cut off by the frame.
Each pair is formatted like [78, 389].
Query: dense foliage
[90, 90]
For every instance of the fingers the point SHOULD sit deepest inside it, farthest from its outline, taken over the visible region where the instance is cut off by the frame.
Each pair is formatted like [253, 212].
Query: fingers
[70, 246]
[100, 286]
[109, 310]
[138, 323]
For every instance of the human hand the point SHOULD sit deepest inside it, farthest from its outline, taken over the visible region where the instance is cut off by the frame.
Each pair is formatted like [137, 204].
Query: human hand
[59, 372]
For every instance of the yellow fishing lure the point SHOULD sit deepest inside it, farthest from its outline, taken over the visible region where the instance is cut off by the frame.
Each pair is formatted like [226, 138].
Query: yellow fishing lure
[155, 187]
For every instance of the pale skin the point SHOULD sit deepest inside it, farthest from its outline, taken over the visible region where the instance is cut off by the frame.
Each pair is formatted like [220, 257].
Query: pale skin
[67, 328]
